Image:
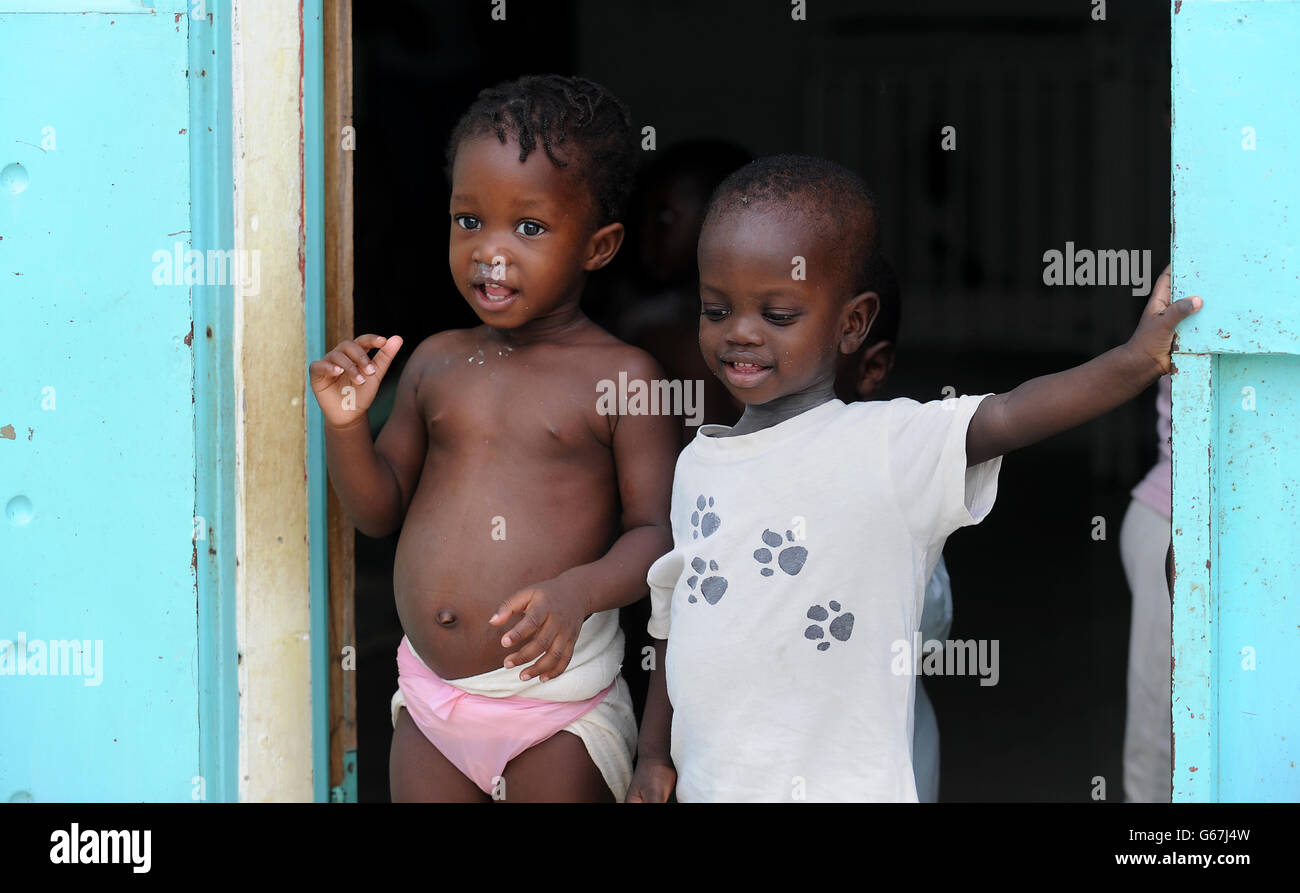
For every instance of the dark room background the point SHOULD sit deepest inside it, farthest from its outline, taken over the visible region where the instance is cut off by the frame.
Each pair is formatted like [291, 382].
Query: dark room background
[1061, 127]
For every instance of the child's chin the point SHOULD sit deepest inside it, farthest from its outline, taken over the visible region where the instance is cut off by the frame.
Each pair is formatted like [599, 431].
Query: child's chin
[754, 396]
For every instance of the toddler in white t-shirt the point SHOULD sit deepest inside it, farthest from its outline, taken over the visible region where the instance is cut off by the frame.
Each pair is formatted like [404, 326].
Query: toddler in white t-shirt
[804, 535]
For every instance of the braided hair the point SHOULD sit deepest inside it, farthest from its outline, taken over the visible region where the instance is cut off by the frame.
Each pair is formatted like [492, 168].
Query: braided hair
[584, 118]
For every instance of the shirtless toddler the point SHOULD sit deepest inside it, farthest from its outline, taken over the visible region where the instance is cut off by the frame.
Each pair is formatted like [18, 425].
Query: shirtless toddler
[527, 517]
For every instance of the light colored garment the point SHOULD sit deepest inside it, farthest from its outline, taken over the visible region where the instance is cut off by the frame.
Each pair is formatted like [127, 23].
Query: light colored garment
[801, 554]
[1155, 490]
[936, 623]
[607, 727]
[1148, 760]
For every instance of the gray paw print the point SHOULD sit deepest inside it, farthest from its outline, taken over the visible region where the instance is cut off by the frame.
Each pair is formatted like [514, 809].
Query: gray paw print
[840, 628]
[789, 559]
[705, 523]
[712, 588]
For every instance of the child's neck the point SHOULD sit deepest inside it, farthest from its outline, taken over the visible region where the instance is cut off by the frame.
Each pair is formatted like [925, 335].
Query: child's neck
[758, 416]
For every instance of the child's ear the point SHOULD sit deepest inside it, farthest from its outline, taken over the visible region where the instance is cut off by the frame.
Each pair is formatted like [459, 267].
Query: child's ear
[873, 367]
[603, 245]
[859, 313]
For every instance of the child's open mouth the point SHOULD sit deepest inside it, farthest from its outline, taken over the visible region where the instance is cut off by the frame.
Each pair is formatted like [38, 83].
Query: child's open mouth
[744, 374]
[492, 296]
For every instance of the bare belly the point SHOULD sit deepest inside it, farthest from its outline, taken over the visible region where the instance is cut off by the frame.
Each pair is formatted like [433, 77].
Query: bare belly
[481, 527]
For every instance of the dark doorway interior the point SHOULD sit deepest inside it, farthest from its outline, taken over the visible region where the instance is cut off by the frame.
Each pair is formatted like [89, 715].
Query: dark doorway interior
[1061, 135]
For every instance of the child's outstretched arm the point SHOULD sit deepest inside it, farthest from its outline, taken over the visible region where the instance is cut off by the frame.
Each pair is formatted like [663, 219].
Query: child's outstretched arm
[645, 451]
[1051, 404]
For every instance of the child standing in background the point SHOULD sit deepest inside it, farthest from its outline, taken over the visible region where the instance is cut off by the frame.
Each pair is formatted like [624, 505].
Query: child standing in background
[1143, 544]
[523, 510]
[805, 534]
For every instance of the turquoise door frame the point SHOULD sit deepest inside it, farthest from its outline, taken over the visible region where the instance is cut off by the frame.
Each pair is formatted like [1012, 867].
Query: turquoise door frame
[118, 532]
[1236, 399]
[313, 105]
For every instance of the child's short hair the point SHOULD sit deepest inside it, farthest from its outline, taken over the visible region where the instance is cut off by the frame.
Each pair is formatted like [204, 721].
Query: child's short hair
[832, 195]
[574, 111]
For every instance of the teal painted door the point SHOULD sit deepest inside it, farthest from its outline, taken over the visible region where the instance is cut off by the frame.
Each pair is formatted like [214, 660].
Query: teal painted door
[99, 564]
[1236, 401]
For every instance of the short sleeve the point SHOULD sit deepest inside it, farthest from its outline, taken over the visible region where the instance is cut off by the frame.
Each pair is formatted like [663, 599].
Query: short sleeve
[662, 578]
[934, 489]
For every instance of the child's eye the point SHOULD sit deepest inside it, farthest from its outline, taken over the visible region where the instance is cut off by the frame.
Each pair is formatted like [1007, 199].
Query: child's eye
[780, 319]
[467, 221]
[714, 313]
[530, 228]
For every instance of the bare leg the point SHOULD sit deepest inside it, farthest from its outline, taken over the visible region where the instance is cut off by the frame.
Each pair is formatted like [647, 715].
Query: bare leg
[557, 770]
[419, 773]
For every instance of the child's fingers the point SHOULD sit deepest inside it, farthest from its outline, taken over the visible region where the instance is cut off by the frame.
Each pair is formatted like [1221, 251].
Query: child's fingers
[388, 348]
[511, 606]
[556, 660]
[340, 358]
[361, 365]
[523, 630]
[1163, 280]
[1183, 308]
[533, 650]
[323, 374]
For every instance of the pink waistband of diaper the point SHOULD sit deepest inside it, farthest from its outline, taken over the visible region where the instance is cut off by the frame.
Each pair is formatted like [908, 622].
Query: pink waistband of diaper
[441, 696]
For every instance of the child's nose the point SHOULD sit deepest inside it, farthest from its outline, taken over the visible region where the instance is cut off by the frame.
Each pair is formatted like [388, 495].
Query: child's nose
[744, 330]
[490, 249]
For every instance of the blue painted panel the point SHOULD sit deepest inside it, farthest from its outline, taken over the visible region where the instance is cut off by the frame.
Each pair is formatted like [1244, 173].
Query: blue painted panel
[1236, 674]
[1235, 70]
[99, 482]
[1195, 627]
[1257, 521]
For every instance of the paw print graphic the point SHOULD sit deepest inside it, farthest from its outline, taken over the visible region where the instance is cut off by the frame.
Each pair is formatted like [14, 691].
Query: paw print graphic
[703, 522]
[841, 627]
[711, 588]
[789, 559]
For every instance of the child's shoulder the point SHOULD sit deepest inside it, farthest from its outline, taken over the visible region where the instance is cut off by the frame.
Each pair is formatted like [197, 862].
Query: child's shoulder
[441, 348]
[448, 341]
[883, 416]
[608, 356]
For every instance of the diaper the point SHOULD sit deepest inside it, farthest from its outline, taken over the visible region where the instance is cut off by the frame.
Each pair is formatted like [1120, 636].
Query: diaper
[482, 722]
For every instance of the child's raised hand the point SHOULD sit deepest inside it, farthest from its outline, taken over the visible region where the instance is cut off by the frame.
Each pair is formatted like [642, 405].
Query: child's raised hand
[653, 781]
[553, 617]
[1154, 335]
[346, 380]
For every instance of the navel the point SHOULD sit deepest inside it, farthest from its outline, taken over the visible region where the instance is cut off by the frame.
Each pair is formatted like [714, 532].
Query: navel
[446, 618]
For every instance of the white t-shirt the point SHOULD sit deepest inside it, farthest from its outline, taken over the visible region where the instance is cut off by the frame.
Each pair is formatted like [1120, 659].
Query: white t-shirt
[801, 554]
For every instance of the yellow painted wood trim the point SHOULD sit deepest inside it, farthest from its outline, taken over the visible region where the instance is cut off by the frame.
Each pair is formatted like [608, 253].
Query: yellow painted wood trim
[273, 621]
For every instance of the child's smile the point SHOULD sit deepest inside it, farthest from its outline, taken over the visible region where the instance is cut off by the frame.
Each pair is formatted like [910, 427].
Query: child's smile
[767, 333]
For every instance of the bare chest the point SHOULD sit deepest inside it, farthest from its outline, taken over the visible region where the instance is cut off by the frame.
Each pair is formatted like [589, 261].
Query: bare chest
[498, 400]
